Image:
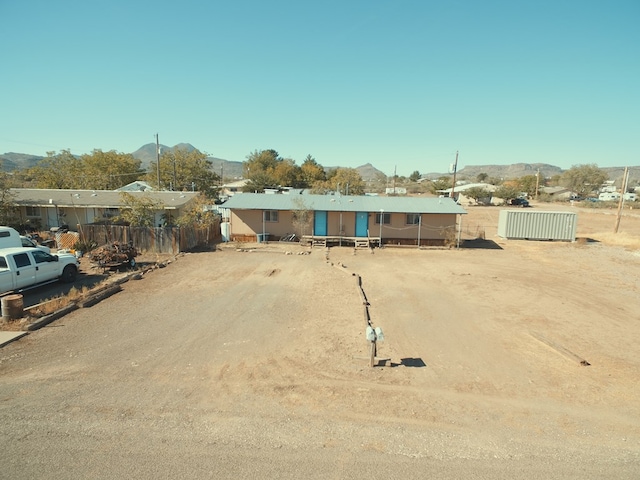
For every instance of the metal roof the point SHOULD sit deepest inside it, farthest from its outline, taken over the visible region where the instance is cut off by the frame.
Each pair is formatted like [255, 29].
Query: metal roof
[343, 203]
[94, 198]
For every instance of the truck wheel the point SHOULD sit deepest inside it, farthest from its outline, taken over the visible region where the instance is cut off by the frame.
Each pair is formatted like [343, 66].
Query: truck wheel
[68, 274]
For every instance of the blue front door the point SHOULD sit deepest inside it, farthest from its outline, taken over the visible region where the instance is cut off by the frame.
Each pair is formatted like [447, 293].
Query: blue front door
[320, 223]
[362, 224]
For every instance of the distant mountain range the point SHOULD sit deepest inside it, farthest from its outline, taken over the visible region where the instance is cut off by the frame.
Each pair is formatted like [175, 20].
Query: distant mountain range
[233, 169]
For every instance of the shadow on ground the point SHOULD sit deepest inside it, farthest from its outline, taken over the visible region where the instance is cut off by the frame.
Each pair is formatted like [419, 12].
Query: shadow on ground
[480, 243]
[409, 362]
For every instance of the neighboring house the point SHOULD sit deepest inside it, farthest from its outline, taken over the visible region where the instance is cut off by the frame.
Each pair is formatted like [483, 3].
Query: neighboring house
[230, 189]
[137, 186]
[396, 191]
[341, 219]
[609, 196]
[558, 193]
[46, 208]
[460, 196]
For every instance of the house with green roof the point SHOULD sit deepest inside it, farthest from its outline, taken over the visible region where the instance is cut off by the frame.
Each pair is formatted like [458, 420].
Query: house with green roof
[340, 219]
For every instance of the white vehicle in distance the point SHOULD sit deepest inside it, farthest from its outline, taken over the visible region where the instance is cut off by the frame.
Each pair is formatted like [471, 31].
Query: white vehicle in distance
[9, 238]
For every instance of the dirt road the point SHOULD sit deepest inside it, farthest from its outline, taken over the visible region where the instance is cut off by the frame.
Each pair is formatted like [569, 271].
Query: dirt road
[254, 365]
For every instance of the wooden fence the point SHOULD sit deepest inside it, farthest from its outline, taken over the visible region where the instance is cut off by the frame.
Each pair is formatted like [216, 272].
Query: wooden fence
[171, 240]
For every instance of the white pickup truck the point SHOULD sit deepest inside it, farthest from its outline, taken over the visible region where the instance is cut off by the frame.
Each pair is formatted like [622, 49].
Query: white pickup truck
[22, 268]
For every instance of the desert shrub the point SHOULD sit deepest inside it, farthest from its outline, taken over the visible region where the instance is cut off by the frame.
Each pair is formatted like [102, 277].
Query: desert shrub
[450, 237]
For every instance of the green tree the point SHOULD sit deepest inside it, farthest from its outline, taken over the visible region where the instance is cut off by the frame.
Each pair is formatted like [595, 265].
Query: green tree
[583, 179]
[287, 173]
[259, 181]
[197, 214]
[108, 170]
[312, 171]
[477, 193]
[9, 214]
[138, 211]
[343, 180]
[57, 170]
[528, 184]
[442, 183]
[415, 176]
[507, 193]
[482, 177]
[264, 161]
[95, 171]
[181, 169]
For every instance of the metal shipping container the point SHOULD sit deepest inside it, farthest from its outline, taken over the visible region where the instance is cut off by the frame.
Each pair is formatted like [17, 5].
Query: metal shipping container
[532, 225]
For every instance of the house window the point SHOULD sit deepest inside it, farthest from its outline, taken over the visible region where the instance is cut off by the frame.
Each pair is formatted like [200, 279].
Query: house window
[33, 211]
[110, 212]
[270, 215]
[386, 218]
[413, 218]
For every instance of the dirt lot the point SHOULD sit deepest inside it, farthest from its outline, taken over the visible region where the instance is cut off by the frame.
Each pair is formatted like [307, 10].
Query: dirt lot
[253, 364]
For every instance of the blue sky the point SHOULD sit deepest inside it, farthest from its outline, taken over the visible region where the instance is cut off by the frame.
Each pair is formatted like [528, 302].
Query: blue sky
[393, 83]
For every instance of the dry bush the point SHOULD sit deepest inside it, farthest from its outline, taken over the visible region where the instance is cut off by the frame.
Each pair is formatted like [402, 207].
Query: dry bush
[54, 304]
[450, 235]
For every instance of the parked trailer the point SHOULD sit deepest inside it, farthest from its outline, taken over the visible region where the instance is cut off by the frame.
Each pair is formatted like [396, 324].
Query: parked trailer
[536, 225]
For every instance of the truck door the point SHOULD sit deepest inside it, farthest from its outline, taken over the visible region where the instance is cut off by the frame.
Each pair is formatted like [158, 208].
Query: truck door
[25, 270]
[6, 276]
[46, 266]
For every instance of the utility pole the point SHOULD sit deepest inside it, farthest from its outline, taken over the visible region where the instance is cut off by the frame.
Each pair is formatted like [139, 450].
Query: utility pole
[455, 169]
[537, 183]
[158, 159]
[625, 179]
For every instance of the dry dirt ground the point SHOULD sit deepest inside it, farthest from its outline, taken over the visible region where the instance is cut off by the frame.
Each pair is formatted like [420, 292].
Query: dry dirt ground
[253, 364]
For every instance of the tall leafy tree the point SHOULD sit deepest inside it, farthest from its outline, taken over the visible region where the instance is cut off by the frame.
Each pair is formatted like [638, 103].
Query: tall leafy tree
[108, 170]
[8, 207]
[138, 211]
[57, 170]
[415, 176]
[259, 181]
[528, 184]
[261, 161]
[343, 180]
[95, 171]
[441, 183]
[181, 169]
[477, 193]
[507, 193]
[197, 214]
[583, 179]
[312, 171]
[267, 169]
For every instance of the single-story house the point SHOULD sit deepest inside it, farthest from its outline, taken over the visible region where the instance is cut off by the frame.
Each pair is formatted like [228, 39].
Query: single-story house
[46, 208]
[341, 219]
[459, 193]
[557, 193]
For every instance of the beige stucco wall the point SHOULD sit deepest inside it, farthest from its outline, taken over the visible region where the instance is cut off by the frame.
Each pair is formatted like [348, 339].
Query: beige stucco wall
[249, 222]
[432, 226]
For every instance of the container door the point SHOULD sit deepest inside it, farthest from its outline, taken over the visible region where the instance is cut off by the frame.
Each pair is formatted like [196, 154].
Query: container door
[362, 224]
[320, 223]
